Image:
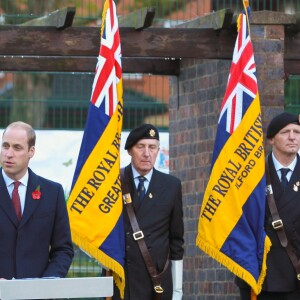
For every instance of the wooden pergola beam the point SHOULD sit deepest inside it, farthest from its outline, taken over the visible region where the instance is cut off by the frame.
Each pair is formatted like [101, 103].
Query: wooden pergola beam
[140, 19]
[86, 64]
[64, 17]
[85, 41]
[151, 50]
[76, 48]
[60, 19]
[216, 20]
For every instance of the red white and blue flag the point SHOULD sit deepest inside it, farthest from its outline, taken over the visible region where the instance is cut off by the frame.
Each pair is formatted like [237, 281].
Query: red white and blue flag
[108, 70]
[231, 221]
[95, 202]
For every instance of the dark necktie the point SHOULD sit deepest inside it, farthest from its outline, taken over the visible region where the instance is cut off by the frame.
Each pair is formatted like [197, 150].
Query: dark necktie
[284, 181]
[16, 199]
[141, 188]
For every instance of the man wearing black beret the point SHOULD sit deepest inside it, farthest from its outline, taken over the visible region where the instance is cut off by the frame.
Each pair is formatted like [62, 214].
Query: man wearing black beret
[283, 171]
[157, 205]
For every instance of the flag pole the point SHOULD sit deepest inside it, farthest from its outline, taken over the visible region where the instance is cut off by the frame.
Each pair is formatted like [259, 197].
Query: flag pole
[246, 5]
[108, 273]
[100, 145]
[253, 295]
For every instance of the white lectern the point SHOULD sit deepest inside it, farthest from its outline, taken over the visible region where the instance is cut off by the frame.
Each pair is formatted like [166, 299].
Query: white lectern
[56, 288]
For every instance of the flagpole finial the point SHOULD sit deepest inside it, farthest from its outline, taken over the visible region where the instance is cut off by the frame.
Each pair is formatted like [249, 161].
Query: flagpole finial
[246, 3]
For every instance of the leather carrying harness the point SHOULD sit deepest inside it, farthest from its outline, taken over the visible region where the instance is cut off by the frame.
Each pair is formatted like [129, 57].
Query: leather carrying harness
[278, 226]
[139, 237]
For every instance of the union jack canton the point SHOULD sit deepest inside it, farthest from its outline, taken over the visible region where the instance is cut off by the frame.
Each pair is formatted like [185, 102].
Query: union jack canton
[108, 69]
[241, 86]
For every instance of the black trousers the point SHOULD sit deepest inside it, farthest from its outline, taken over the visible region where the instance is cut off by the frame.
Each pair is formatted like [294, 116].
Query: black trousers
[245, 295]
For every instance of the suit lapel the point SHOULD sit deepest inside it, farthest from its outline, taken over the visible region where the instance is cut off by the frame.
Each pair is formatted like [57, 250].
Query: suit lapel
[294, 182]
[275, 181]
[6, 203]
[129, 186]
[30, 203]
[293, 188]
[154, 193]
[285, 197]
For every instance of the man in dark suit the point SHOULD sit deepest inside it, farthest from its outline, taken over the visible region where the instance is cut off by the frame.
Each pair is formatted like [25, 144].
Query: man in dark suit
[158, 210]
[281, 282]
[35, 237]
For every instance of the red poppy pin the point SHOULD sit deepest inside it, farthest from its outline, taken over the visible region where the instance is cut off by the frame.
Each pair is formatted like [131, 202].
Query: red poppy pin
[36, 194]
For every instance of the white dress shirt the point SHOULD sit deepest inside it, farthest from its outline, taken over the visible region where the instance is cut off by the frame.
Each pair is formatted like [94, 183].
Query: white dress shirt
[22, 187]
[136, 179]
[279, 166]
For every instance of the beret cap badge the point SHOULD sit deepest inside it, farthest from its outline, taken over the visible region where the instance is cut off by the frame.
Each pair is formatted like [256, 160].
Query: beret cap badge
[152, 132]
[144, 131]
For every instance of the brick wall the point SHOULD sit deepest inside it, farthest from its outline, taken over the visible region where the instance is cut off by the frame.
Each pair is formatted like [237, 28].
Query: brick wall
[195, 102]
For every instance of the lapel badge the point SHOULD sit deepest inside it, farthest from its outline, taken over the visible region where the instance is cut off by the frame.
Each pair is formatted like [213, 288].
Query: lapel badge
[296, 186]
[150, 196]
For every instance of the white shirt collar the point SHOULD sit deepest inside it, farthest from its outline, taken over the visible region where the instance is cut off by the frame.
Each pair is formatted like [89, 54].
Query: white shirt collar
[8, 181]
[279, 166]
[136, 173]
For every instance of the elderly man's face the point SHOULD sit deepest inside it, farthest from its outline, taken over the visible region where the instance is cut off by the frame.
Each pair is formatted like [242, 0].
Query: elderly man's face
[143, 155]
[287, 140]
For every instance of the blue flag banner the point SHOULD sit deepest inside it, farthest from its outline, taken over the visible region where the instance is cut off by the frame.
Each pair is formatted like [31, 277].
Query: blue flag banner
[231, 221]
[95, 202]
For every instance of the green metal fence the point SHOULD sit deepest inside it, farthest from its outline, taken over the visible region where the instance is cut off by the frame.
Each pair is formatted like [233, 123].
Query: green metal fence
[60, 101]
[84, 264]
[20, 11]
[292, 94]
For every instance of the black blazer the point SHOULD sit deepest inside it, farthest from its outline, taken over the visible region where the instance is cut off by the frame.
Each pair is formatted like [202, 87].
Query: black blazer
[40, 245]
[160, 217]
[281, 276]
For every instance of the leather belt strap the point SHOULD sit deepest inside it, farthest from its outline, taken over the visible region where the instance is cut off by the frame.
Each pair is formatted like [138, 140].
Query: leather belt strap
[139, 237]
[278, 226]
